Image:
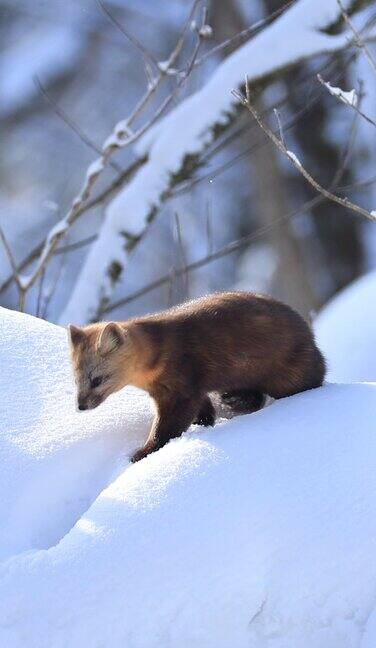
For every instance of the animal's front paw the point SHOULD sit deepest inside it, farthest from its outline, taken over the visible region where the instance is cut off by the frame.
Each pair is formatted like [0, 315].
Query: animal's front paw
[243, 401]
[206, 415]
[138, 455]
[143, 452]
[207, 419]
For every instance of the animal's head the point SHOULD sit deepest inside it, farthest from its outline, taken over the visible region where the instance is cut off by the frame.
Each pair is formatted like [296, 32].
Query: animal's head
[99, 356]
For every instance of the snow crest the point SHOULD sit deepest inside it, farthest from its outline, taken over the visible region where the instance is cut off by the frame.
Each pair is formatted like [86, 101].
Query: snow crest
[259, 533]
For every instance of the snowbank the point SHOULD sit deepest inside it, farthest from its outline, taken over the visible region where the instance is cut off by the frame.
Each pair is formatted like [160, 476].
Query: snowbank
[54, 460]
[346, 333]
[260, 532]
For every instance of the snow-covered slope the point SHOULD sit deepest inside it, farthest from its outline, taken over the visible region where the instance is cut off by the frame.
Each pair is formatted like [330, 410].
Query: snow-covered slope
[54, 460]
[346, 332]
[259, 533]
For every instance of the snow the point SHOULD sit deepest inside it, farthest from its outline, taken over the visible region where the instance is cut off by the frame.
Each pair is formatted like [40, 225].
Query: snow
[95, 168]
[260, 532]
[345, 331]
[188, 130]
[206, 31]
[163, 66]
[294, 158]
[349, 98]
[53, 460]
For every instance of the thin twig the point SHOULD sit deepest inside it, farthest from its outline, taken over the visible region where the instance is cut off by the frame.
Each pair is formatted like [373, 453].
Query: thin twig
[40, 293]
[343, 99]
[209, 258]
[148, 56]
[359, 41]
[72, 247]
[279, 126]
[69, 122]
[9, 254]
[344, 202]
[243, 35]
[102, 197]
[347, 150]
[121, 137]
[187, 185]
[170, 280]
[16, 277]
[180, 42]
[182, 254]
[52, 289]
[209, 228]
[184, 186]
[244, 241]
[316, 96]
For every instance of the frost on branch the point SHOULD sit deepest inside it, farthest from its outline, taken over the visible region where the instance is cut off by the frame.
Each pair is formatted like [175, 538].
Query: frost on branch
[349, 98]
[294, 158]
[185, 134]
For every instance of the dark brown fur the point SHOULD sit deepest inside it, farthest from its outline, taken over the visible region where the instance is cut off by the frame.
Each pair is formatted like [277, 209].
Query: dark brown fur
[239, 344]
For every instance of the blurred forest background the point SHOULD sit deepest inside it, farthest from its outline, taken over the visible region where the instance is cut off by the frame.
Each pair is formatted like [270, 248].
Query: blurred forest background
[68, 75]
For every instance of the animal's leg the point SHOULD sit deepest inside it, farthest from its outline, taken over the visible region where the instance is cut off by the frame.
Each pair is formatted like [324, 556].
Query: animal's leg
[244, 401]
[206, 415]
[175, 415]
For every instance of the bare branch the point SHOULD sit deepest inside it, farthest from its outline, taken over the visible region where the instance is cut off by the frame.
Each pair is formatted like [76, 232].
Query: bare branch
[121, 137]
[49, 293]
[244, 241]
[182, 254]
[359, 41]
[344, 202]
[102, 197]
[187, 185]
[209, 228]
[16, 277]
[10, 256]
[183, 186]
[146, 55]
[40, 293]
[344, 97]
[279, 125]
[69, 121]
[209, 258]
[180, 42]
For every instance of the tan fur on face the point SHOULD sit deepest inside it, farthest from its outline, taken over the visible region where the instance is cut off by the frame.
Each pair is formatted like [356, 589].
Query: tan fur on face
[95, 353]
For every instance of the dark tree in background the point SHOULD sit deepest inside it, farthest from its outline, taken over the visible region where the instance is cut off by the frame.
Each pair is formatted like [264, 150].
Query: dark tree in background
[332, 245]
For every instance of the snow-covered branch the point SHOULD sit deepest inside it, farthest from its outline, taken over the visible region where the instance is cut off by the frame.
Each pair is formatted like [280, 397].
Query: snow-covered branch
[349, 98]
[173, 147]
[122, 136]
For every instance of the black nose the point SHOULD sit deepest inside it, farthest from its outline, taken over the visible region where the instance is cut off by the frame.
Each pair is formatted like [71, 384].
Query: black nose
[82, 405]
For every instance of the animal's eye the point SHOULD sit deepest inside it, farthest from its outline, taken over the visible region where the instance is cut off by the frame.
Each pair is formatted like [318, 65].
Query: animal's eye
[95, 382]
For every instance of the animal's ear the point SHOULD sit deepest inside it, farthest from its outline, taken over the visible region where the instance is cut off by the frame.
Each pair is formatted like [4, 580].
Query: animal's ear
[76, 334]
[110, 338]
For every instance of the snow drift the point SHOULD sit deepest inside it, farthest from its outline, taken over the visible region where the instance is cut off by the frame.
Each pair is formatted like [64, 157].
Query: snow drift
[260, 532]
[345, 332]
[54, 461]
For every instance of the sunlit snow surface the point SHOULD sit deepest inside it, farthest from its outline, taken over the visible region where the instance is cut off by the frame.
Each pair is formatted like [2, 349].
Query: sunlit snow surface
[346, 332]
[259, 533]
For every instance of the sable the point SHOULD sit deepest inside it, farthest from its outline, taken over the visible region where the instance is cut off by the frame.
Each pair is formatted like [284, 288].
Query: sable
[239, 344]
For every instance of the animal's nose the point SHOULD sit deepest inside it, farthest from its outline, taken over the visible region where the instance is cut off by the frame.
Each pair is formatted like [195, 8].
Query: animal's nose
[82, 404]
